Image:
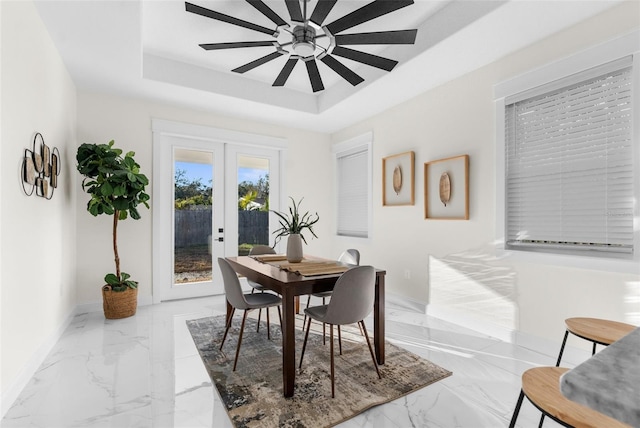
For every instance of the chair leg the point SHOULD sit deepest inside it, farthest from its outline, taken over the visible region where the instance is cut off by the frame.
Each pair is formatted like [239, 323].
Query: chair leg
[324, 334]
[268, 324]
[324, 330]
[340, 339]
[333, 388]
[304, 344]
[235, 362]
[304, 321]
[517, 410]
[373, 357]
[259, 314]
[594, 349]
[226, 330]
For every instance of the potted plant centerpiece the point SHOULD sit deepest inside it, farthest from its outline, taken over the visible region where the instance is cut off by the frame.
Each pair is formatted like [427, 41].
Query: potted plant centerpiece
[116, 187]
[292, 225]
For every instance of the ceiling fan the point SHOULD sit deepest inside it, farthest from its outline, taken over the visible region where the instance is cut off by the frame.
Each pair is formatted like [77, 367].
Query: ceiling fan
[305, 33]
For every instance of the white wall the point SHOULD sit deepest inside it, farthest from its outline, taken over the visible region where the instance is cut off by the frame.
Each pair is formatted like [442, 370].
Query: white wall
[453, 265]
[38, 235]
[102, 118]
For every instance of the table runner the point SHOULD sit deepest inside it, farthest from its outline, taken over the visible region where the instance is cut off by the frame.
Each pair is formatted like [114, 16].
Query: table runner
[307, 267]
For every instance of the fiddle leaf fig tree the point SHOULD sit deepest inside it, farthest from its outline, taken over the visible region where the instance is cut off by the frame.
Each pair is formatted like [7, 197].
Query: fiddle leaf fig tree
[116, 187]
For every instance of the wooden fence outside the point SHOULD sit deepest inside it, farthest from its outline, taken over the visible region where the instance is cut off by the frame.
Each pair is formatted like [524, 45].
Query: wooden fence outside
[193, 227]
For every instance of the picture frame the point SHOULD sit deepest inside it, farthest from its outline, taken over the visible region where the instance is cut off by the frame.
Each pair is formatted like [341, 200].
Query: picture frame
[446, 189]
[398, 183]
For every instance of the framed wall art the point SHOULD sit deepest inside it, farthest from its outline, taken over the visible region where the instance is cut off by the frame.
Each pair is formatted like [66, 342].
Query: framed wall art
[398, 179]
[446, 188]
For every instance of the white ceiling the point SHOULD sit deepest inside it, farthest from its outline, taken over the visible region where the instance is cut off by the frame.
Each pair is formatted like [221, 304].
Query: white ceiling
[149, 49]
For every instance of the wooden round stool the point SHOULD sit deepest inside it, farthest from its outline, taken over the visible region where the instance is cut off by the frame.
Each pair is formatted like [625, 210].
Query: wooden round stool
[598, 331]
[541, 385]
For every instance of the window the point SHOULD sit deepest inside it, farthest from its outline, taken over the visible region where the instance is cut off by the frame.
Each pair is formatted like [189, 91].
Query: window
[353, 182]
[569, 163]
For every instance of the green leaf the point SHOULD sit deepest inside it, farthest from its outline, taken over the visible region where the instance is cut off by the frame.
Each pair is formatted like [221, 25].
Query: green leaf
[134, 213]
[106, 189]
[111, 279]
[121, 203]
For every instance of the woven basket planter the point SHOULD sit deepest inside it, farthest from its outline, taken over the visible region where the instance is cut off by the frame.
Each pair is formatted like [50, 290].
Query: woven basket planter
[119, 304]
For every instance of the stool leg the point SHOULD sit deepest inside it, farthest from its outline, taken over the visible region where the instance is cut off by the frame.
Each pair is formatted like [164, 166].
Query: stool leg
[594, 349]
[564, 342]
[517, 410]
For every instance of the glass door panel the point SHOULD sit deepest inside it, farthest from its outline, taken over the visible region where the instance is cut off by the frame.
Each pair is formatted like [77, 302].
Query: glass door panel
[253, 202]
[193, 216]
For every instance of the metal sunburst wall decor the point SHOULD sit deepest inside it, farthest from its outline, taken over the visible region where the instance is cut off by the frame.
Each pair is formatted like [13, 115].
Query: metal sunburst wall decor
[40, 169]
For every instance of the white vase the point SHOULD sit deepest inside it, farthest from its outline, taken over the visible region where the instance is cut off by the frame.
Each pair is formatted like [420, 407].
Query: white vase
[294, 248]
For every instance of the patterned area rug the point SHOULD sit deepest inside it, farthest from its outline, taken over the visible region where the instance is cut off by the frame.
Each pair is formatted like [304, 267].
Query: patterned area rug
[253, 396]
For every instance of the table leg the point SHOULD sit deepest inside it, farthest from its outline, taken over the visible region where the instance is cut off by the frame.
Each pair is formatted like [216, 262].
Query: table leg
[378, 319]
[288, 344]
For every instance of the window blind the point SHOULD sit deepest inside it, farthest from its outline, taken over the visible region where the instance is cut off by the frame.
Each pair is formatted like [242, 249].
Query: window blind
[353, 199]
[569, 163]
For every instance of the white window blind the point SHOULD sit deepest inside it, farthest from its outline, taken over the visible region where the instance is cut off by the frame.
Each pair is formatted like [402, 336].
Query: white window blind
[569, 163]
[353, 192]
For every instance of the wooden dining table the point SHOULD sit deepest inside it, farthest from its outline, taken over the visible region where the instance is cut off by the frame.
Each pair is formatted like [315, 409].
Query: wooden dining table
[290, 285]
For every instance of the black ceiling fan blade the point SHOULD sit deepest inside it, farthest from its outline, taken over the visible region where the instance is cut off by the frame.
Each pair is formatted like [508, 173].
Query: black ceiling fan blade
[199, 10]
[322, 9]
[258, 62]
[294, 10]
[314, 75]
[234, 45]
[286, 71]
[401, 37]
[365, 58]
[268, 12]
[366, 13]
[342, 70]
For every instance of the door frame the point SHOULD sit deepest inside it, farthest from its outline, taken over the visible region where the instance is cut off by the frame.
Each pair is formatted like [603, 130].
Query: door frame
[161, 130]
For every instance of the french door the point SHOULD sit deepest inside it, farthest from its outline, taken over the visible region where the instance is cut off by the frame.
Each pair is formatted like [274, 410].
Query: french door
[211, 199]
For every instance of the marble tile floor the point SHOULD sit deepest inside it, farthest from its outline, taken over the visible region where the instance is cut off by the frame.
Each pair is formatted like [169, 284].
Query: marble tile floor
[144, 371]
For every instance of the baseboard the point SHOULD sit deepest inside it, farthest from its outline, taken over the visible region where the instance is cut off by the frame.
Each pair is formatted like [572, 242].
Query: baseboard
[404, 302]
[30, 368]
[472, 323]
[96, 306]
[571, 356]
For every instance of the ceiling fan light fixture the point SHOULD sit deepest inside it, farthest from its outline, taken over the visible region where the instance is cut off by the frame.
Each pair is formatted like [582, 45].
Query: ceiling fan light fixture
[304, 49]
[304, 40]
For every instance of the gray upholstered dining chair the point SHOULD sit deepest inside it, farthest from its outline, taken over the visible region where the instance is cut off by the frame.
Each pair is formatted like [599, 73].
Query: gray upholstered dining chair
[351, 257]
[246, 302]
[257, 250]
[351, 302]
